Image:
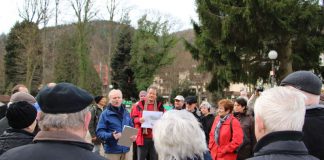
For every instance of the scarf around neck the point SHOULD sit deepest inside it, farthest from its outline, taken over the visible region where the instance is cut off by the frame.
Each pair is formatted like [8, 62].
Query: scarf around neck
[218, 126]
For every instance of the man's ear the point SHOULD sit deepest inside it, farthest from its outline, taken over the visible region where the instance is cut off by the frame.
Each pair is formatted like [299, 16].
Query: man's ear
[87, 120]
[259, 127]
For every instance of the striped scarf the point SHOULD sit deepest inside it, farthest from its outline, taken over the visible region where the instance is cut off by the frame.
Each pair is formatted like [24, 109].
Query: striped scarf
[145, 108]
[218, 126]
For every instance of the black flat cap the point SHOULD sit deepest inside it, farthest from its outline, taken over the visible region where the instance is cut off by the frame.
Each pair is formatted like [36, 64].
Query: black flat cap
[305, 81]
[63, 98]
[191, 99]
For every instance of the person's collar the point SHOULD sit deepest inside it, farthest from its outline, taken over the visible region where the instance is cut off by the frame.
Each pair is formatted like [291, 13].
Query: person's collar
[62, 137]
[9, 130]
[278, 136]
[314, 106]
[58, 136]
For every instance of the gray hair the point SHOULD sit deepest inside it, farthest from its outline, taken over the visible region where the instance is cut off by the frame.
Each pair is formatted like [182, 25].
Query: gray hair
[281, 109]
[115, 91]
[173, 134]
[205, 104]
[62, 121]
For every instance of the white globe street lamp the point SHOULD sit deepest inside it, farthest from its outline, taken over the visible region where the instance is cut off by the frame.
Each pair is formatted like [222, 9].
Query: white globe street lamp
[273, 56]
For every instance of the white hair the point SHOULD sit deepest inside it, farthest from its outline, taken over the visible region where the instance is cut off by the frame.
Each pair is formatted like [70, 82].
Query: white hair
[281, 109]
[113, 92]
[177, 135]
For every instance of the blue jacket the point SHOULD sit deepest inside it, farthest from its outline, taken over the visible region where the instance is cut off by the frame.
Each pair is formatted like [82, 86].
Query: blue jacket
[113, 119]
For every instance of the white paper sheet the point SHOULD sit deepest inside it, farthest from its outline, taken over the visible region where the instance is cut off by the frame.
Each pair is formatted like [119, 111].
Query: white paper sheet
[127, 132]
[150, 117]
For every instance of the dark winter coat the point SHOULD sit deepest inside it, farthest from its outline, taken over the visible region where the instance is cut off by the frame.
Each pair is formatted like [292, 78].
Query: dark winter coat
[287, 145]
[95, 115]
[207, 122]
[3, 110]
[12, 138]
[3, 124]
[53, 145]
[314, 131]
[197, 114]
[247, 124]
[113, 119]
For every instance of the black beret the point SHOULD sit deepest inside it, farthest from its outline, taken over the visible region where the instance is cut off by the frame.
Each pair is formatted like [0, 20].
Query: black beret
[63, 98]
[21, 115]
[191, 99]
[305, 81]
[98, 98]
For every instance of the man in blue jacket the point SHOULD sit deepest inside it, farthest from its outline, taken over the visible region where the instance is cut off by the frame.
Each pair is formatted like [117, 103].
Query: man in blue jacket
[110, 126]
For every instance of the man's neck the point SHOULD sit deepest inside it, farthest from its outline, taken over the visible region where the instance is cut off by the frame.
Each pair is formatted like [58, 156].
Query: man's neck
[150, 102]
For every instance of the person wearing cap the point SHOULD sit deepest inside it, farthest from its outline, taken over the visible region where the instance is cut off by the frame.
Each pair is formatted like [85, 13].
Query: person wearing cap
[96, 110]
[279, 118]
[19, 88]
[110, 126]
[22, 121]
[310, 85]
[16, 97]
[64, 124]
[179, 102]
[207, 119]
[247, 123]
[15, 89]
[191, 106]
[144, 141]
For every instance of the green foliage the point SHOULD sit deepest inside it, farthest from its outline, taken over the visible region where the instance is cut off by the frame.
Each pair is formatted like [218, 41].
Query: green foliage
[66, 63]
[122, 74]
[234, 37]
[71, 50]
[24, 56]
[150, 50]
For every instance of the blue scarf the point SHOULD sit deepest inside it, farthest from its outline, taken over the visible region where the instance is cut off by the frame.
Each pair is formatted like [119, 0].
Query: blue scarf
[218, 126]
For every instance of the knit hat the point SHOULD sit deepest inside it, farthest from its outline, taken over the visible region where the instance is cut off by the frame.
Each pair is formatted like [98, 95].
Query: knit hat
[98, 98]
[21, 115]
[305, 81]
[22, 96]
[63, 98]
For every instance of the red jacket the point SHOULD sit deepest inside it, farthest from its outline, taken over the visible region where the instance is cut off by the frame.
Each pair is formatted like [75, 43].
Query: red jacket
[136, 114]
[229, 139]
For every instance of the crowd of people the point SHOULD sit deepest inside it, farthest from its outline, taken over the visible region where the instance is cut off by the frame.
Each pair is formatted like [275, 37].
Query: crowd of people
[284, 122]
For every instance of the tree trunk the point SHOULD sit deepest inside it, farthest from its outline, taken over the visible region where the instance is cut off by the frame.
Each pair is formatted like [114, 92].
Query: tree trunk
[285, 59]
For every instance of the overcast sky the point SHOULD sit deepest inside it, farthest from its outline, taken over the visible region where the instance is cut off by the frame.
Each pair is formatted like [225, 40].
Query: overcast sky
[180, 12]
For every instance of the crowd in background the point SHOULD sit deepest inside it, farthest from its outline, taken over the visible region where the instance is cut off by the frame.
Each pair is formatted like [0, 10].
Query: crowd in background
[284, 122]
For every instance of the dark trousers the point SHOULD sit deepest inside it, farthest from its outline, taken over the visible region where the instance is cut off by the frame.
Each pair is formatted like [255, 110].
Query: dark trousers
[134, 151]
[147, 151]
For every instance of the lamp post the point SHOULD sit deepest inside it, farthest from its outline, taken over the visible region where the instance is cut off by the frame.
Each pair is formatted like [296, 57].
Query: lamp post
[272, 55]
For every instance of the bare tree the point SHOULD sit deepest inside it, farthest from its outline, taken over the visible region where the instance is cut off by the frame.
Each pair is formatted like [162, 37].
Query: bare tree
[115, 8]
[84, 12]
[35, 11]
[112, 8]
